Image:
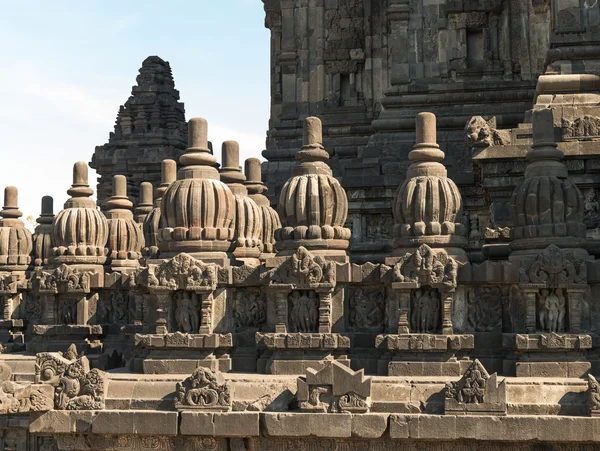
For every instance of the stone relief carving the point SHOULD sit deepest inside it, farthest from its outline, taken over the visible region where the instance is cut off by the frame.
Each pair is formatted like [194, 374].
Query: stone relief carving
[182, 272]
[379, 228]
[552, 309]
[581, 128]
[593, 395]
[484, 312]
[591, 208]
[304, 270]
[476, 392]
[554, 268]
[427, 268]
[63, 279]
[249, 309]
[367, 309]
[304, 311]
[425, 310]
[334, 388]
[480, 133]
[80, 388]
[204, 389]
[187, 316]
[24, 398]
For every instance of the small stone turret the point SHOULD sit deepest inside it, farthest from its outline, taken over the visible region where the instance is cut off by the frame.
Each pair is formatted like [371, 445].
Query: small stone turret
[80, 230]
[248, 217]
[270, 218]
[428, 203]
[152, 221]
[146, 204]
[15, 239]
[313, 206]
[125, 237]
[198, 210]
[547, 207]
[42, 236]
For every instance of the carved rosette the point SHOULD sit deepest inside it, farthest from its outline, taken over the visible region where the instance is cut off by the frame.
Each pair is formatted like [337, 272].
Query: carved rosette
[198, 210]
[42, 236]
[547, 207]
[203, 390]
[80, 230]
[15, 240]
[313, 206]
[428, 203]
[125, 237]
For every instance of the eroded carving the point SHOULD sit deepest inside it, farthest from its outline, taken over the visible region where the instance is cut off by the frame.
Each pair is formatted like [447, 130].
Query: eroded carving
[552, 309]
[484, 312]
[367, 307]
[187, 316]
[204, 389]
[304, 270]
[554, 268]
[482, 133]
[583, 127]
[425, 310]
[304, 311]
[182, 272]
[593, 395]
[427, 268]
[249, 309]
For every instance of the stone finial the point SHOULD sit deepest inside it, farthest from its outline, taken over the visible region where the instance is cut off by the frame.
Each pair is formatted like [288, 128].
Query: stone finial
[198, 152]
[125, 238]
[427, 205]
[168, 175]
[80, 230]
[10, 210]
[42, 236]
[197, 210]
[15, 240]
[312, 148]
[547, 207]
[146, 202]
[119, 199]
[270, 218]
[231, 173]
[545, 157]
[313, 206]
[248, 220]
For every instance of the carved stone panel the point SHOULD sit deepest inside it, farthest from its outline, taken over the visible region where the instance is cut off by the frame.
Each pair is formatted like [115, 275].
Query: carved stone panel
[367, 309]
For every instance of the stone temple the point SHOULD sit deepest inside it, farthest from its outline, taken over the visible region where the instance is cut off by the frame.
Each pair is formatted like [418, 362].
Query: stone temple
[415, 266]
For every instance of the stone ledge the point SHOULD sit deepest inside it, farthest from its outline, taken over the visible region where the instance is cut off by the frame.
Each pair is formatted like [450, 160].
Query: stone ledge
[217, 424]
[302, 341]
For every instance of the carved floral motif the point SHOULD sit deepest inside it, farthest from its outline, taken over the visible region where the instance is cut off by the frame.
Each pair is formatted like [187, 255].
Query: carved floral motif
[554, 268]
[203, 390]
[182, 272]
[304, 270]
[427, 268]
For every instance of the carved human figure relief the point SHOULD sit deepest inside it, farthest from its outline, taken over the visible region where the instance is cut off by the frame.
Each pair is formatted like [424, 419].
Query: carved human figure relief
[367, 308]
[552, 310]
[249, 309]
[304, 311]
[186, 313]
[425, 311]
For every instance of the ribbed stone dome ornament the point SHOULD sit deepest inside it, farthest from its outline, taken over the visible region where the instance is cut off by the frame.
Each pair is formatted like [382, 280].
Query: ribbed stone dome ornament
[248, 217]
[313, 205]
[428, 203]
[15, 239]
[145, 206]
[80, 230]
[547, 207]
[125, 237]
[151, 224]
[270, 218]
[42, 236]
[198, 210]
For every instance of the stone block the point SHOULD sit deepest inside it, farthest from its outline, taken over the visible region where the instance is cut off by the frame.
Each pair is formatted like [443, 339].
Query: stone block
[399, 426]
[52, 422]
[113, 422]
[197, 423]
[155, 423]
[338, 425]
[285, 424]
[236, 424]
[542, 369]
[369, 425]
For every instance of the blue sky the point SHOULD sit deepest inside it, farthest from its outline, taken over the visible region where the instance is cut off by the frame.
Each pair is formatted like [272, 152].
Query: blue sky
[66, 66]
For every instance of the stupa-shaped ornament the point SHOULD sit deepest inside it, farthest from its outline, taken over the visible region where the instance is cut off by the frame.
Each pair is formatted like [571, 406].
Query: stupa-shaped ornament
[270, 218]
[547, 207]
[42, 236]
[428, 203]
[15, 239]
[152, 221]
[248, 217]
[313, 205]
[145, 206]
[125, 236]
[80, 230]
[198, 210]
